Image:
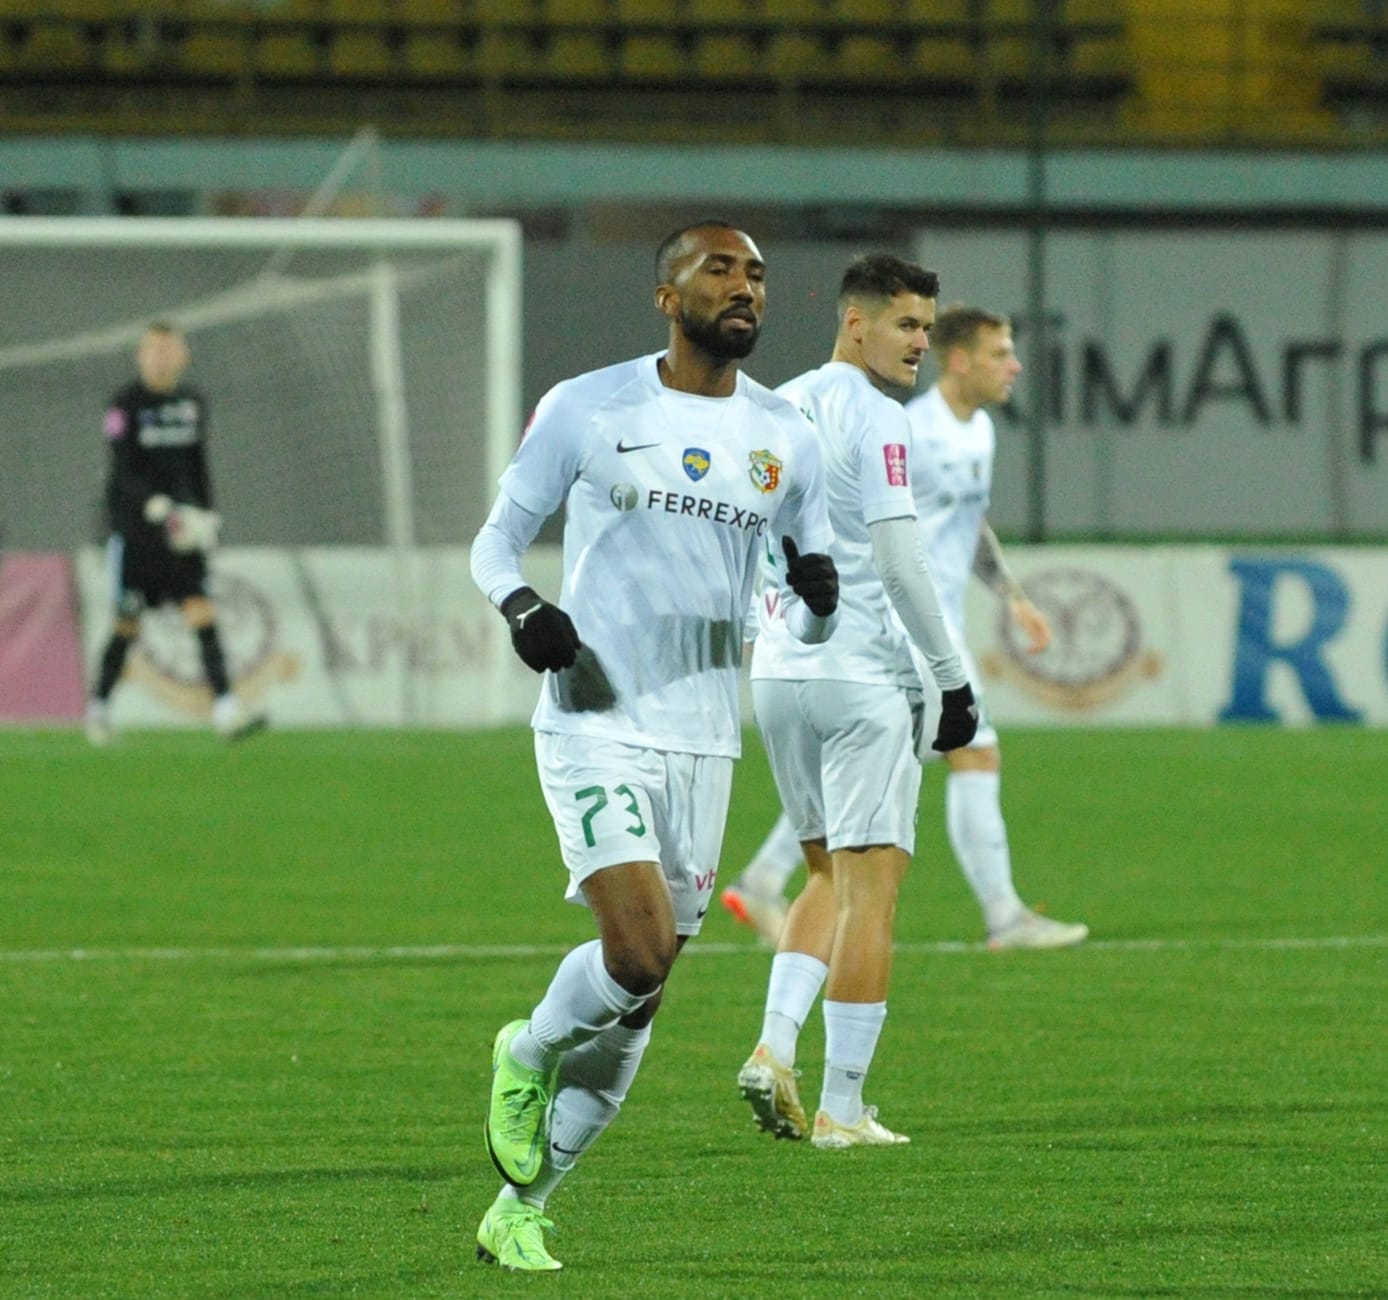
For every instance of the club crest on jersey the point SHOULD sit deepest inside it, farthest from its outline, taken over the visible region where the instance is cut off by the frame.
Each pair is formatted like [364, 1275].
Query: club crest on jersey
[764, 471]
[696, 462]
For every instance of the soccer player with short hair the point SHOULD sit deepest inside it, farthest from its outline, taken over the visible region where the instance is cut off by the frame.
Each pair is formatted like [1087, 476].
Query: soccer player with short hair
[676, 473]
[953, 440]
[159, 509]
[952, 443]
[837, 719]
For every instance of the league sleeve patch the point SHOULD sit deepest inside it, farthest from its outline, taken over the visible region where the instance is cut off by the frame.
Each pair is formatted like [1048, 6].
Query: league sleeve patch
[894, 453]
[113, 422]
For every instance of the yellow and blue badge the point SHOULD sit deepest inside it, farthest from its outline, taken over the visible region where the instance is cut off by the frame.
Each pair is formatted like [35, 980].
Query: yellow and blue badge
[696, 462]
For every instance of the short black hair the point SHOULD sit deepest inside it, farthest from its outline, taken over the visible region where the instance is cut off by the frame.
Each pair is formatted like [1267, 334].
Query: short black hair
[668, 252]
[883, 276]
[958, 326]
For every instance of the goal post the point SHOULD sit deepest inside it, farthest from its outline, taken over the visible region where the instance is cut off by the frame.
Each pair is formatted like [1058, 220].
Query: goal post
[385, 351]
[363, 382]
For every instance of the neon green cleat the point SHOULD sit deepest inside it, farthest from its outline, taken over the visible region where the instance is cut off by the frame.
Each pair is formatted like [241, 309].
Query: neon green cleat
[518, 1117]
[769, 1087]
[512, 1234]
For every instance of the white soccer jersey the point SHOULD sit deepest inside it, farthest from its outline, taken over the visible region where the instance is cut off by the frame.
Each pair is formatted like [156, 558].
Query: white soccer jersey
[952, 478]
[864, 439]
[670, 500]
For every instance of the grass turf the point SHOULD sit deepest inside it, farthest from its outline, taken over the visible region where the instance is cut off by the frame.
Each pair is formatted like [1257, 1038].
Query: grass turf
[260, 1080]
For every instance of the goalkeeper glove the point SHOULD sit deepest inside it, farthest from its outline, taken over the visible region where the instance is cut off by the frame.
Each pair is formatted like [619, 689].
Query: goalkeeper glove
[158, 508]
[813, 578]
[542, 634]
[958, 719]
[191, 528]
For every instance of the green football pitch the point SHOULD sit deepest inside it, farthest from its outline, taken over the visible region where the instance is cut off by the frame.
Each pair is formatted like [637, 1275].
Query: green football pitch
[247, 997]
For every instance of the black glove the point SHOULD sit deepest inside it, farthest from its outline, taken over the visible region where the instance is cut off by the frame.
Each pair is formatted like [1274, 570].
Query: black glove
[958, 719]
[542, 634]
[813, 578]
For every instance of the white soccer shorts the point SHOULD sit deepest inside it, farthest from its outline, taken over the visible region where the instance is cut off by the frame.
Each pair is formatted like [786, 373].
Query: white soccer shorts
[614, 803]
[843, 760]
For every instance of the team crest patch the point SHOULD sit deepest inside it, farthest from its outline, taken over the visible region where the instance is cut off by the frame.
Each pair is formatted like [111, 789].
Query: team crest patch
[765, 471]
[696, 462]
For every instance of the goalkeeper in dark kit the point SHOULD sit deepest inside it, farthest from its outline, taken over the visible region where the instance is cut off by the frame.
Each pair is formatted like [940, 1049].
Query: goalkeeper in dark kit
[162, 524]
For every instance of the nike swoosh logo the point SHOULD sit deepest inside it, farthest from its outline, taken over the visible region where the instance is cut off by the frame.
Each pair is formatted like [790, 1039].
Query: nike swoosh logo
[564, 1150]
[622, 448]
[703, 913]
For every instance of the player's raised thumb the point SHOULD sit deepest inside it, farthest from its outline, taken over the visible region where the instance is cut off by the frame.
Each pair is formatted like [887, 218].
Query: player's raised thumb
[789, 547]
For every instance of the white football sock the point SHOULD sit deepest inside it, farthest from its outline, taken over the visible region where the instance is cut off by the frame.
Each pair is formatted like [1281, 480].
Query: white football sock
[851, 1031]
[978, 835]
[581, 1001]
[796, 979]
[594, 1080]
[774, 862]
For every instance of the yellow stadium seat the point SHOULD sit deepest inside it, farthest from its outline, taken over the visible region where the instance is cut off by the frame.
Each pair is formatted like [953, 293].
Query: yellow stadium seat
[505, 54]
[377, 12]
[287, 55]
[1097, 12]
[360, 56]
[504, 13]
[792, 15]
[215, 52]
[427, 13]
[727, 56]
[869, 59]
[1021, 13]
[652, 58]
[644, 12]
[1007, 57]
[794, 56]
[51, 47]
[936, 13]
[93, 11]
[435, 56]
[578, 56]
[1100, 56]
[948, 59]
[575, 13]
[725, 13]
[288, 13]
[863, 11]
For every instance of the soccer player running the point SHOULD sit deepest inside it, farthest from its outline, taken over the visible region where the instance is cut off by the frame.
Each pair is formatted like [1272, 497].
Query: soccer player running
[837, 719]
[952, 444]
[162, 525]
[676, 472]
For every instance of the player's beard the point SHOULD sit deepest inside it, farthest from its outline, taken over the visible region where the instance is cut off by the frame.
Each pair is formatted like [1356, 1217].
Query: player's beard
[707, 333]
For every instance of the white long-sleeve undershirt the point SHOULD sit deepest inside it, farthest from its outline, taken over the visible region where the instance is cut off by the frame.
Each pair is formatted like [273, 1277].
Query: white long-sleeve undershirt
[900, 563]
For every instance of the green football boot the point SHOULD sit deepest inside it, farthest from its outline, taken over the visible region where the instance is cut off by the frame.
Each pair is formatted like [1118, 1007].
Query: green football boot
[512, 1234]
[518, 1117]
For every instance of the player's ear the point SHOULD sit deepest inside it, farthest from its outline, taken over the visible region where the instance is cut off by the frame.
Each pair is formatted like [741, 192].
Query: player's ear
[667, 300]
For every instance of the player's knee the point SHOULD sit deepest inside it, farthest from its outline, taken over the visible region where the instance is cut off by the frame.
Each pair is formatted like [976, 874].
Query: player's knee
[641, 963]
[645, 1013]
[199, 612]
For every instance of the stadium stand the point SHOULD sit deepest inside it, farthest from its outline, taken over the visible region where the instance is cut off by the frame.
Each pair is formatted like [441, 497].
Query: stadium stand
[1178, 71]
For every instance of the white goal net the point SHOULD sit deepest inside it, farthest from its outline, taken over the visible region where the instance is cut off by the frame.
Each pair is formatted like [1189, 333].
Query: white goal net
[362, 377]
